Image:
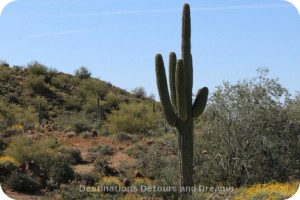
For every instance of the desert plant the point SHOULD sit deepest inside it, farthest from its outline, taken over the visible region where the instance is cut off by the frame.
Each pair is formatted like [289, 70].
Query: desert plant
[22, 183]
[37, 68]
[61, 172]
[132, 118]
[83, 73]
[181, 112]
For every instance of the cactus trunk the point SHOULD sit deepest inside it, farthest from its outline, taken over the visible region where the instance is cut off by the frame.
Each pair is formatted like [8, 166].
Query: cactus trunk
[185, 147]
[178, 108]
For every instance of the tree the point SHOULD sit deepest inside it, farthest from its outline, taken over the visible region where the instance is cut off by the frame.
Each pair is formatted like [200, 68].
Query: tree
[246, 135]
[83, 73]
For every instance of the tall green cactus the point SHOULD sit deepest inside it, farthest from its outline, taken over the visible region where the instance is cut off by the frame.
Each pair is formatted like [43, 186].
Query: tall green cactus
[179, 108]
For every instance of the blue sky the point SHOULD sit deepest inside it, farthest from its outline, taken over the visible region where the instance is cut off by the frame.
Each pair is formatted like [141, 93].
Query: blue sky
[118, 39]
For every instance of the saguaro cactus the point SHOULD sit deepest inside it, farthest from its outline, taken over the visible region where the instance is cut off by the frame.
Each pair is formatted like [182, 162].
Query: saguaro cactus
[178, 108]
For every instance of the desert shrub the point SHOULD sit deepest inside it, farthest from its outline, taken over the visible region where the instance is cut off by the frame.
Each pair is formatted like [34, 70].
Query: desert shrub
[102, 166]
[37, 68]
[7, 165]
[131, 118]
[139, 92]
[113, 100]
[82, 73]
[6, 116]
[4, 74]
[58, 82]
[22, 183]
[136, 151]
[37, 84]
[159, 162]
[81, 126]
[86, 179]
[72, 103]
[61, 172]
[91, 88]
[100, 151]
[24, 150]
[121, 137]
[71, 155]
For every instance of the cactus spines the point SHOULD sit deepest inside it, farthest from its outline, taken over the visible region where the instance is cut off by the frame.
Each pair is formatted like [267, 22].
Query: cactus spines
[179, 109]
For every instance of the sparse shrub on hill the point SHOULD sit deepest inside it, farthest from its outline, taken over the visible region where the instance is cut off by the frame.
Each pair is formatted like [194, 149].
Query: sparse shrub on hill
[83, 73]
[139, 92]
[132, 118]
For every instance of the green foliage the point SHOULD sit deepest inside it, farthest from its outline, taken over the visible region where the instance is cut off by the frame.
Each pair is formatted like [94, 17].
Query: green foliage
[113, 100]
[131, 118]
[83, 73]
[37, 84]
[61, 172]
[36, 68]
[22, 183]
[91, 88]
[81, 125]
[4, 74]
[24, 150]
[246, 135]
[6, 116]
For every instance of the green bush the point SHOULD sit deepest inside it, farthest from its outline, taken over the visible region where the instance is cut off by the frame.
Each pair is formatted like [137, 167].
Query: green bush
[37, 84]
[81, 126]
[22, 183]
[83, 73]
[113, 100]
[61, 172]
[71, 155]
[132, 118]
[37, 68]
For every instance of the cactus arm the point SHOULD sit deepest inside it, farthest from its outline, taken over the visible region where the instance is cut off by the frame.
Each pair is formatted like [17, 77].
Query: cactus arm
[186, 51]
[163, 91]
[200, 102]
[172, 70]
[181, 91]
